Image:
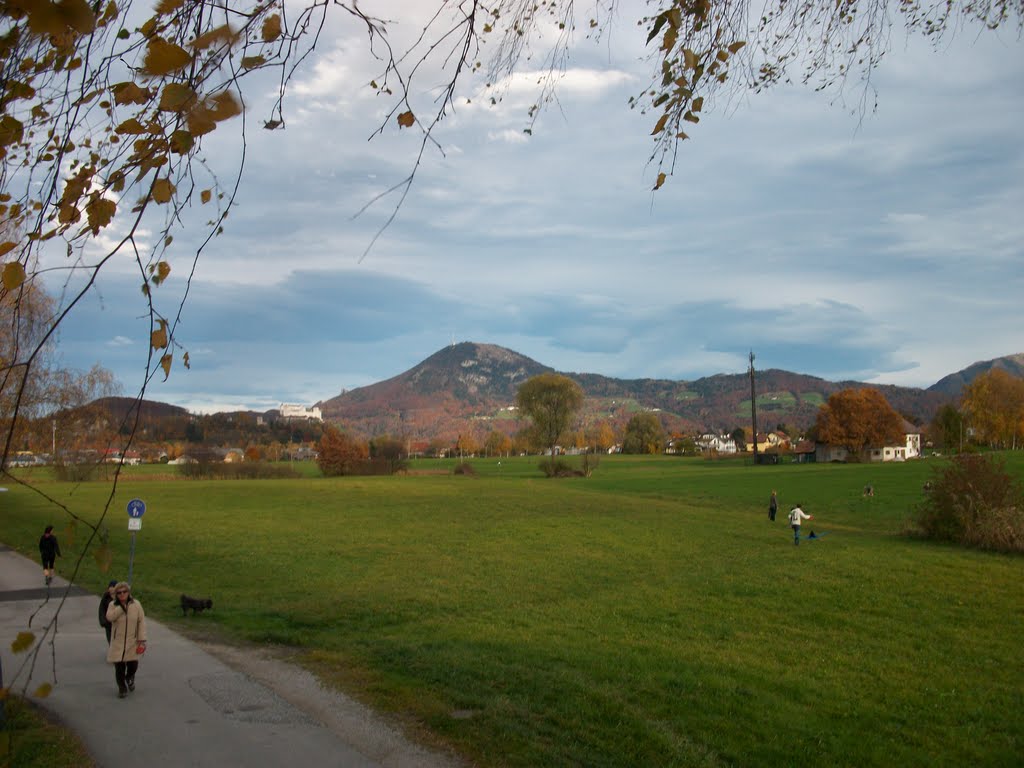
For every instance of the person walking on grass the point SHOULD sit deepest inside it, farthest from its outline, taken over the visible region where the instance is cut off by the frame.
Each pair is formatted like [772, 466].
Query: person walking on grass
[108, 596]
[795, 516]
[128, 637]
[49, 550]
[773, 506]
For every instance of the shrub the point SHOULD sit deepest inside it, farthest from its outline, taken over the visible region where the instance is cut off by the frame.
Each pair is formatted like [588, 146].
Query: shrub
[464, 468]
[559, 469]
[973, 501]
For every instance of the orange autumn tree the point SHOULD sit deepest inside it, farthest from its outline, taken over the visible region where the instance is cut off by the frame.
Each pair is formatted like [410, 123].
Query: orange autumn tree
[857, 419]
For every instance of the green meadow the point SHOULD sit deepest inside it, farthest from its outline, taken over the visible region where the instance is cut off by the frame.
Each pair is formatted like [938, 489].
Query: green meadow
[649, 615]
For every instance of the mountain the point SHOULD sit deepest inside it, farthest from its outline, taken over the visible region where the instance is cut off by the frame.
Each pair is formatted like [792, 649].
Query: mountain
[471, 386]
[439, 396]
[952, 385]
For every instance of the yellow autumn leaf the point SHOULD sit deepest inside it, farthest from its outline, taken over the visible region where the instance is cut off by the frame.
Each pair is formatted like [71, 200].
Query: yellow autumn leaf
[205, 196]
[165, 363]
[271, 28]
[11, 131]
[7, 246]
[224, 105]
[168, 6]
[130, 127]
[736, 46]
[697, 104]
[660, 125]
[161, 272]
[669, 42]
[689, 59]
[181, 141]
[162, 190]
[200, 120]
[68, 213]
[158, 339]
[43, 691]
[251, 62]
[22, 642]
[163, 57]
[100, 211]
[661, 180]
[14, 275]
[406, 119]
[222, 34]
[185, 360]
[78, 15]
[176, 97]
[130, 93]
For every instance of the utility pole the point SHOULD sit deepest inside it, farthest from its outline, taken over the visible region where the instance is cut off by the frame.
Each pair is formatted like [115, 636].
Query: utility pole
[753, 404]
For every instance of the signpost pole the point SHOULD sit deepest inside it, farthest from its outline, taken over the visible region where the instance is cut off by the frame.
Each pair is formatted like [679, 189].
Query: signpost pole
[136, 509]
[131, 559]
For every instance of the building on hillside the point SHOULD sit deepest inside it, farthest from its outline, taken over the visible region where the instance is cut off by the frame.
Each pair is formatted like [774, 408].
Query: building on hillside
[295, 411]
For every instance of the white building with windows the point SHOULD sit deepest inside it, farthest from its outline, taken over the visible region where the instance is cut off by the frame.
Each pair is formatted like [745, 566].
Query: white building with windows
[294, 411]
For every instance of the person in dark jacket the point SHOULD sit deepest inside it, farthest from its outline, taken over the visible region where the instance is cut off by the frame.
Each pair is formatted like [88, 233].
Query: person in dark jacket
[773, 506]
[104, 604]
[49, 550]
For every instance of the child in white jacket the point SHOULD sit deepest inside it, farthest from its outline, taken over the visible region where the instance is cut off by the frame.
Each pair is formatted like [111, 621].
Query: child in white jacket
[795, 516]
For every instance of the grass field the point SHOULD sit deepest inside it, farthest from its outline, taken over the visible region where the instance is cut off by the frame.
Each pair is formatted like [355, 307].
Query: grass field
[648, 615]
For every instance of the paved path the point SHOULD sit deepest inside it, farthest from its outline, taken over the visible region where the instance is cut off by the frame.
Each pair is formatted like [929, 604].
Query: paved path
[190, 707]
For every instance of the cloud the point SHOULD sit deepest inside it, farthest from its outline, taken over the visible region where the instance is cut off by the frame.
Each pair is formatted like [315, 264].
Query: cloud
[884, 249]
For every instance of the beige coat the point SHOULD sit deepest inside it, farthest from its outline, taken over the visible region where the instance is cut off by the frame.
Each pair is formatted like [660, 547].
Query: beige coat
[128, 628]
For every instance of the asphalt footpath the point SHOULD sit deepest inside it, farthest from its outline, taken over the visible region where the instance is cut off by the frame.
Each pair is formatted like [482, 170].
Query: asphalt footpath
[189, 707]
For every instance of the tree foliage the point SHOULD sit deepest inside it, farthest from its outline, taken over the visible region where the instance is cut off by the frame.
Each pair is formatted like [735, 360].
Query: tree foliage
[644, 434]
[857, 419]
[340, 453]
[551, 401]
[994, 403]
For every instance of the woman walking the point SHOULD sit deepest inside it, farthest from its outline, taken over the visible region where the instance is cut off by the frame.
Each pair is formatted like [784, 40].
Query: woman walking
[127, 637]
[49, 550]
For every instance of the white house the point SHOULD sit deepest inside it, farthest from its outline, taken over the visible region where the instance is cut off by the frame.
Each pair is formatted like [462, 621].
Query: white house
[910, 449]
[718, 443]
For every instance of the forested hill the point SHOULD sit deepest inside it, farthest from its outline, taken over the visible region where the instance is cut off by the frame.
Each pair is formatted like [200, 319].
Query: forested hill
[472, 386]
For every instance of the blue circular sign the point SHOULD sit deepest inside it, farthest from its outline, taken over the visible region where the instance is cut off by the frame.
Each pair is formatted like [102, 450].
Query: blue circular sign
[136, 508]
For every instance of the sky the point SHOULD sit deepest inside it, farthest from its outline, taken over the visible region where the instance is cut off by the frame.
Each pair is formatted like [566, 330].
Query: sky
[885, 247]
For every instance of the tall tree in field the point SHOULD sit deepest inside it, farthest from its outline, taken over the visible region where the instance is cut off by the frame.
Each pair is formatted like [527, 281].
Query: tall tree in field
[339, 453]
[994, 405]
[601, 436]
[644, 434]
[551, 401]
[857, 419]
[947, 427]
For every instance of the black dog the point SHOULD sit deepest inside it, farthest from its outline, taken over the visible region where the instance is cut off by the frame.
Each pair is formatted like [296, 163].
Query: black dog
[195, 604]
